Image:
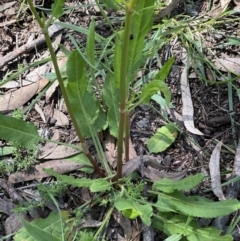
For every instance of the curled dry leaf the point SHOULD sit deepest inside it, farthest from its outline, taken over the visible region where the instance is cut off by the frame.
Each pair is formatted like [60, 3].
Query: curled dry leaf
[187, 110]
[59, 166]
[214, 167]
[15, 99]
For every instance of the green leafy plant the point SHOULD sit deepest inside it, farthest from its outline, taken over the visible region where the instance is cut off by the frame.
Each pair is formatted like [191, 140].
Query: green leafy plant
[93, 110]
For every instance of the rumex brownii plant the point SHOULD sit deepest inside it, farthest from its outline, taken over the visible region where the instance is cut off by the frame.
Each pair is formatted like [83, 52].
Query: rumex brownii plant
[173, 212]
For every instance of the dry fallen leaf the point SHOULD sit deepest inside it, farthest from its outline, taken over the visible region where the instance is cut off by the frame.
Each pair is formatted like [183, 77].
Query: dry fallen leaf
[15, 99]
[51, 90]
[61, 59]
[237, 2]
[150, 172]
[62, 152]
[59, 166]
[124, 223]
[236, 166]
[228, 64]
[40, 112]
[29, 79]
[5, 6]
[44, 151]
[42, 84]
[109, 146]
[224, 4]
[13, 222]
[61, 118]
[187, 109]
[214, 167]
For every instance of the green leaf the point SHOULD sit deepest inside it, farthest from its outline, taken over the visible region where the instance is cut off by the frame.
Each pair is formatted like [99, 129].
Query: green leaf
[57, 8]
[152, 88]
[195, 206]
[131, 213]
[100, 185]
[133, 209]
[141, 24]
[82, 159]
[111, 99]
[163, 138]
[83, 104]
[41, 229]
[112, 4]
[80, 182]
[174, 237]
[12, 129]
[169, 186]
[176, 224]
[91, 43]
[164, 71]
[76, 74]
[6, 150]
[117, 60]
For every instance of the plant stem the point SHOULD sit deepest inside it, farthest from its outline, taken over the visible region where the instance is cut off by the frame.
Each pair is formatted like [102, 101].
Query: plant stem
[44, 28]
[127, 136]
[129, 9]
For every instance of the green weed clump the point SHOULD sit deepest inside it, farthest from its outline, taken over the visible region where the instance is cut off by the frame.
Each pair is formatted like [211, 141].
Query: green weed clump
[168, 210]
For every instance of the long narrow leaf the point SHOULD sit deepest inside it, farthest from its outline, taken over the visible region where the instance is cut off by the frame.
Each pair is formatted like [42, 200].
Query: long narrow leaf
[90, 43]
[196, 206]
[111, 98]
[39, 234]
[142, 23]
[83, 104]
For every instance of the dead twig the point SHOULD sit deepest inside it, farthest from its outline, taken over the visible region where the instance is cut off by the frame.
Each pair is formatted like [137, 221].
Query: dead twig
[28, 46]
